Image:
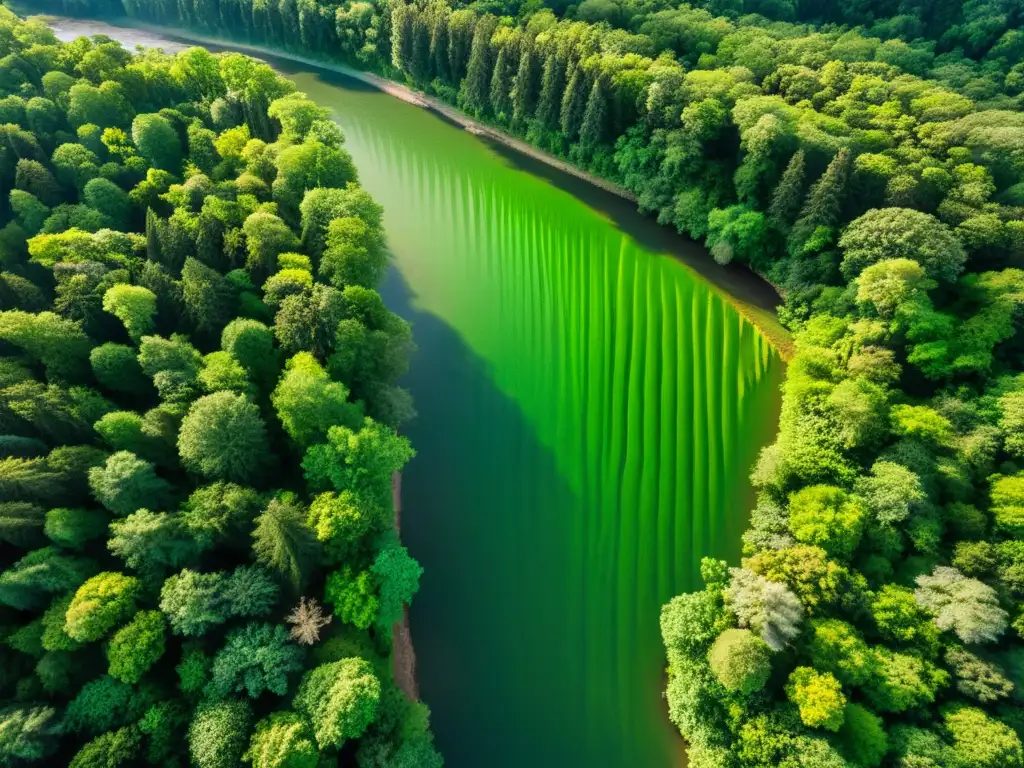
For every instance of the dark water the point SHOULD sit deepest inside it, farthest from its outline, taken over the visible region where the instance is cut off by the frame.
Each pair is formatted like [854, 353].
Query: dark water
[589, 408]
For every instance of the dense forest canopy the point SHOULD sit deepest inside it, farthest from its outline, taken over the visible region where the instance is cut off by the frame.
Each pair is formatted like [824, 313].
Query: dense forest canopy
[868, 158]
[197, 421]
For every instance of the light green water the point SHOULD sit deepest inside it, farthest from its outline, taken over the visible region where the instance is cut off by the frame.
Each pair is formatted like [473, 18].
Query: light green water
[589, 409]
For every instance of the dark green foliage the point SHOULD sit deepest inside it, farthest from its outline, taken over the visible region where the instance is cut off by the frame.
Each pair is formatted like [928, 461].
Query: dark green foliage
[284, 544]
[254, 659]
[29, 733]
[73, 528]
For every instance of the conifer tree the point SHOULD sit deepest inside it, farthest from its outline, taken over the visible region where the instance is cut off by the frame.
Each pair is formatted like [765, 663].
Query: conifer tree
[786, 198]
[593, 130]
[551, 86]
[501, 83]
[475, 91]
[524, 89]
[574, 103]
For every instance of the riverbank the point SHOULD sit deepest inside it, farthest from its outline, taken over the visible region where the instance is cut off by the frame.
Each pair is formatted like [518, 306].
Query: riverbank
[759, 313]
[403, 655]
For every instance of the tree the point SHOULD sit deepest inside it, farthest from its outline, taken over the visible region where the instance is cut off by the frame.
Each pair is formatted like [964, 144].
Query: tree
[308, 403]
[766, 606]
[152, 542]
[790, 191]
[157, 142]
[977, 678]
[284, 544]
[132, 305]
[309, 321]
[102, 705]
[109, 199]
[100, 604]
[136, 647]
[354, 597]
[902, 233]
[1007, 493]
[209, 299]
[475, 91]
[979, 741]
[828, 517]
[73, 528]
[900, 682]
[282, 740]
[126, 483]
[966, 606]
[117, 368]
[114, 748]
[307, 619]
[362, 462]
[222, 436]
[595, 117]
[266, 236]
[574, 102]
[29, 733]
[193, 602]
[219, 733]
[21, 524]
[222, 373]
[355, 253]
[340, 699]
[891, 492]
[819, 698]
[30, 582]
[862, 738]
[901, 621]
[398, 575]
[740, 661]
[219, 512]
[254, 659]
[823, 204]
[251, 343]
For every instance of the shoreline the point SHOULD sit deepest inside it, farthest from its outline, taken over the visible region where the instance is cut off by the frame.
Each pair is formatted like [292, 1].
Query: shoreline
[402, 651]
[403, 654]
[764, 319]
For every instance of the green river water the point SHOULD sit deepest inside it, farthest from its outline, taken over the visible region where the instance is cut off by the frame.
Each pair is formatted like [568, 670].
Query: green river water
[589, 408]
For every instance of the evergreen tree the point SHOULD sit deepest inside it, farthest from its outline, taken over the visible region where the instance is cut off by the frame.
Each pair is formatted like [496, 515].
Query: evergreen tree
[439, 42]
[787, 195]
[475, 91]
[420, 61]
[823, 204]
[524, 89]
[595, 118]
[574, 103]
[501, 83]
[551, 90]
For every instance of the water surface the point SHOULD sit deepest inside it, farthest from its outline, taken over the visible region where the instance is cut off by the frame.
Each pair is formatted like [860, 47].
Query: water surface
[589, 407]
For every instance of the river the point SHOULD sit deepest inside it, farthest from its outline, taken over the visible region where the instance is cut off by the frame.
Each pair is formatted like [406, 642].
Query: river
[590, 403]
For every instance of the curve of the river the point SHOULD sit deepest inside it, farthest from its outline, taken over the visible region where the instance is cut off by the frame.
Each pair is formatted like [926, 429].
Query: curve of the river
[589, 408]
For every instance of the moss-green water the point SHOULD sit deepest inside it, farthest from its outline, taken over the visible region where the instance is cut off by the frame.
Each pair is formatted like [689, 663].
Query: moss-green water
[589, 411]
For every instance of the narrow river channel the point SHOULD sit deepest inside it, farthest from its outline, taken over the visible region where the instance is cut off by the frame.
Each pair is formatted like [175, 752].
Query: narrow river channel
[590, 404]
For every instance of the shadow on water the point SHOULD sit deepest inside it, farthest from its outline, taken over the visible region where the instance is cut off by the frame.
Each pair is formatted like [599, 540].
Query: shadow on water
[485, 486]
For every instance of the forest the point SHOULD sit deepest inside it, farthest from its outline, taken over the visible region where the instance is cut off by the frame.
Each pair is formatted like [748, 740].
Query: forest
[868, 159]
[199, 563]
